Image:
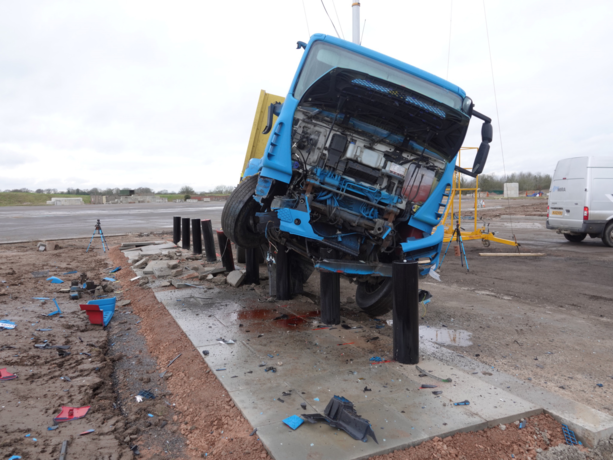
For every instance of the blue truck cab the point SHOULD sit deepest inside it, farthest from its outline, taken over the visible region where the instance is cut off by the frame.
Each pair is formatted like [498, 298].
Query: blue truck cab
[358, 167]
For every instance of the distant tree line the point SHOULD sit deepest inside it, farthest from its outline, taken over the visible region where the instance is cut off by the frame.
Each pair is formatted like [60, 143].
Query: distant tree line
[527, 181]
[186, 190]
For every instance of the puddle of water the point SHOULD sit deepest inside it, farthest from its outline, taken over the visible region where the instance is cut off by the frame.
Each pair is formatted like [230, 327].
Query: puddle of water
[445, 336]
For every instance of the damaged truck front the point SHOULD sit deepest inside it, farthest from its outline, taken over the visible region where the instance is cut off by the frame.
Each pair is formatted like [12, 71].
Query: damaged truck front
[358, 168]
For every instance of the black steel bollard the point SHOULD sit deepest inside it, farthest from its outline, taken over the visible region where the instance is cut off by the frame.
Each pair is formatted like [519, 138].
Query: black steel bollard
[283, 283]
[176, 229]
[225, 248]
[405, 289]
[252, 265]
[185, 231]
[209, 241]
[330, 291]
[196, 236]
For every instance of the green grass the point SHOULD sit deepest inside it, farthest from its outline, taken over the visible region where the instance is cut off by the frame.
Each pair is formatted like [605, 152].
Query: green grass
[33, 199]
[181, 197]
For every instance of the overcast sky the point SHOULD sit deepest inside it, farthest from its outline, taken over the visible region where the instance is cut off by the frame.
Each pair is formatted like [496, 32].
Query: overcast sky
[162, 94]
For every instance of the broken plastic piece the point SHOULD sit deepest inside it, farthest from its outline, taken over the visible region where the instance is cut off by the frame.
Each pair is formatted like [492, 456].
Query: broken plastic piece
[55, 280]
[86, 432]
[293, 422]
[569, 436]
[462, 403]
[6, 324]
[6, 375]
[146, 394]
[112, 280]
[427, 386]
[116, 269]
[437, 393]
[255, 430]
[41, 298]
[172, 361]
[367, 389]
[51, 428]
[340, 413]
[522, 425]
[205, 352]
[71, 413]
[433, 376]
[56, 312]
[227, 342]
[70, 273]
[303, 405]
[100, 311]
[271, 369]
[376, 359]
[600, 385]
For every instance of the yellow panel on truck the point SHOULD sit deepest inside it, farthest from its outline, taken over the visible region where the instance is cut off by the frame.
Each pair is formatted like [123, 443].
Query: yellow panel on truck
[257, 140]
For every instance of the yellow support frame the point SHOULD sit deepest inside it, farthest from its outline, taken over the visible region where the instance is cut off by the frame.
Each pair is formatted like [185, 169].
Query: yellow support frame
[477, 233]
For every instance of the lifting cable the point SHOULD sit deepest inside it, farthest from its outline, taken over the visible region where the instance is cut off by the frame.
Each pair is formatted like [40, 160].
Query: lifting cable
[339, 21]
[306, 19]
[449, 46]
[498, 117]
[325, 9]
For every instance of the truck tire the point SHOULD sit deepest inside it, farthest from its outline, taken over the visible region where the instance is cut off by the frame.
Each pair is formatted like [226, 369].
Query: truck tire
[575, 238]
[607, 236]
[375, 299]
[238, 215]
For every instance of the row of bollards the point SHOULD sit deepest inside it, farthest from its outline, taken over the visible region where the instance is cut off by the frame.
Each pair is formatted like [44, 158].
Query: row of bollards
[199, 229]
[203, 229]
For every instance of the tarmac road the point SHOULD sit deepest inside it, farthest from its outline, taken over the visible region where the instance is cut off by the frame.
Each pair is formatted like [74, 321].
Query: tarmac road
[30, 223]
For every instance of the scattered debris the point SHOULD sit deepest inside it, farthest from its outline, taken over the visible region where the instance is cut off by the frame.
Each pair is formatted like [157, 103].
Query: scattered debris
[235, 278]
[437, 393]
[462, 403]
[55, 280]
[433, 376]
[112, 280]
[100, 311]
[41, 274]
[224, 341]
[255, 430]
[172, 361]
[522, 425]
[71, 413]
[367, 389]
[115, 270]
[6, 375]
[56, 312]
[427, 386]
[145, 394]
[340, 413]
[303, 405]
[293, 422]
[69, 273]
[569, 436]
[271, 369]
[86, 432]
[63, 451]
[205, 352]
[6, 324]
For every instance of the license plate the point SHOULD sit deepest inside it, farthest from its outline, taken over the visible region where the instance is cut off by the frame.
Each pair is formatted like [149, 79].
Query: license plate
[556, 213]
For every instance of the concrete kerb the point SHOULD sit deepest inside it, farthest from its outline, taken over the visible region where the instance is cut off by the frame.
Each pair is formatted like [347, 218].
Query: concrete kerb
[589, 425]
[63, 239]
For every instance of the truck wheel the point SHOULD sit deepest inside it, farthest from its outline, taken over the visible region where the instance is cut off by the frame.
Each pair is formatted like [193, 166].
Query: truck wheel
[607, 236]
[375, 299]
[575, 238]
[238, 215]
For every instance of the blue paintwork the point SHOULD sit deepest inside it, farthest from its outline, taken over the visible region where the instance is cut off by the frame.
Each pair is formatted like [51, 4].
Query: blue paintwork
[254, 166]
[288, 217]
[277, 160]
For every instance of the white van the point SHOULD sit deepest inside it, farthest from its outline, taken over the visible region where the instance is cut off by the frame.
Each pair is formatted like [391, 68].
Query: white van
[581, 199]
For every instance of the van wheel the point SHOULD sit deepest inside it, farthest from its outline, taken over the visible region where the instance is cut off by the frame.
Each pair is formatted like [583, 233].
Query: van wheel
[607, 236]
[575, 238]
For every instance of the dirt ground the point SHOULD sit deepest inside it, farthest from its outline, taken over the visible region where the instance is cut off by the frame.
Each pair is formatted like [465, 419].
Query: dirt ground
[192, 416]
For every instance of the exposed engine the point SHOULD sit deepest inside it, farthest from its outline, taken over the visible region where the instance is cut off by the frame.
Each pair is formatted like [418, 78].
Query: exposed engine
[358, 189]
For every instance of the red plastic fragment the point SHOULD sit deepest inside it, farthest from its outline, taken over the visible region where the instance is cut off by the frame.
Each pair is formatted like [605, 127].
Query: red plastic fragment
[94, 313]
[71, 413]
[6, 375]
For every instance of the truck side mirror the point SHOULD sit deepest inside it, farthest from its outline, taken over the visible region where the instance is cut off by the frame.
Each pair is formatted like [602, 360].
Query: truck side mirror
[273, 109]
[481, 158]
[487, 134]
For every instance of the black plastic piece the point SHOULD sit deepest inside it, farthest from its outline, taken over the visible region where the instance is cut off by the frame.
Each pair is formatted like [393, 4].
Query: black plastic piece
[300, 44]
[340, 413]
[336, 149]
[209, 241]
[176, 229]
[361, 172]
[273, 109]
[405, 293]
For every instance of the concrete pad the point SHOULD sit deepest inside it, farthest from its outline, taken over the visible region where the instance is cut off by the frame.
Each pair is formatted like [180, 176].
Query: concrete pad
[320, 363]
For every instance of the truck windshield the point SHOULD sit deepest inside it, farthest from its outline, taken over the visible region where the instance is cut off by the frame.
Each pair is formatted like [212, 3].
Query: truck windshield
[324, 56]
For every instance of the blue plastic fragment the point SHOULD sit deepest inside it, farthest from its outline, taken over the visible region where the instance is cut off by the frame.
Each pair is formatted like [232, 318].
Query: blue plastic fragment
[522, 425]
[41, 298]
[376, 359]
[57, 311]
[569, 436]
[315, 399]
[55, 280]
[28, 435]
[379, 327]
[116, 269]
[6, 324]
[293, 422]
[110, 279]
[149, 415]
[599, 385]
[70, 273]
[270, 356]
[51, 428]
[462, 403]
[15, 457]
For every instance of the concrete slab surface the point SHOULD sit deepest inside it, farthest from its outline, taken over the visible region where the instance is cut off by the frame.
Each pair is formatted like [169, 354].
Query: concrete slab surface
[314, 364]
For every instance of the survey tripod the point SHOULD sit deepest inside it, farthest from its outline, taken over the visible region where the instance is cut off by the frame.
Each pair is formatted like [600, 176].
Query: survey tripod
[98, 229]
[458, 236]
